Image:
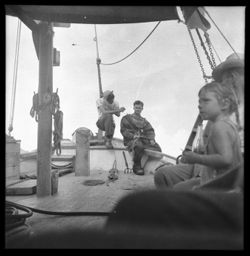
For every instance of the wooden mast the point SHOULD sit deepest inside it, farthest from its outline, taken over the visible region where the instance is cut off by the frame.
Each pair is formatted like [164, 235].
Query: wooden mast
[45, 117]
[98, 62]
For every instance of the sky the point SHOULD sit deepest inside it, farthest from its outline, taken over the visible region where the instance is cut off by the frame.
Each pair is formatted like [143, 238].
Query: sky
[164, 73]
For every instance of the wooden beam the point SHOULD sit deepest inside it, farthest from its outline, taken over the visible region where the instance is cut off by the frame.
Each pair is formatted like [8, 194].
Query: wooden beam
[99, 14]
[45, 117]
[29, 22]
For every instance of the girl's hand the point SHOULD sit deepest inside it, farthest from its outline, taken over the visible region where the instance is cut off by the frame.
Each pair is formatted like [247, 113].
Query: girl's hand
[136, 136]
[189, 157]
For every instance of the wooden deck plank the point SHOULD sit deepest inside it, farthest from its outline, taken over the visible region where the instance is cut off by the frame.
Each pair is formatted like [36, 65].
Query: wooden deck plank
[27, 187]
[74, 196]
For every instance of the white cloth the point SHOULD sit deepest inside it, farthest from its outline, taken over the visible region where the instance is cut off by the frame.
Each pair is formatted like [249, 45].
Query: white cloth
[106, 105]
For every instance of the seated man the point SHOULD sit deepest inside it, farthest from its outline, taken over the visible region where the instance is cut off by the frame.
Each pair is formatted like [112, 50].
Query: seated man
[138, 134]
[106, 108]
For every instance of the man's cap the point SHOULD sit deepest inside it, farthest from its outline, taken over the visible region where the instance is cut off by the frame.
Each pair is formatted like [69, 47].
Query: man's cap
[232, 61]
[107, 93]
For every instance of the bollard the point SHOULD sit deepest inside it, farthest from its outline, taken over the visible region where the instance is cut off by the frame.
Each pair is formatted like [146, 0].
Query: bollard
[82, 159]
[54, 182]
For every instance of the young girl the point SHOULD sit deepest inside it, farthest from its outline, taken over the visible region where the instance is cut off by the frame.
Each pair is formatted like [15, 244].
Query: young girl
[222, 152]
[222, 147]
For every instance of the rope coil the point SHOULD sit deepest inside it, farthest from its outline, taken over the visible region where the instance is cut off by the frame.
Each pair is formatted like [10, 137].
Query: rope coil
[52, 101]
[13, 217]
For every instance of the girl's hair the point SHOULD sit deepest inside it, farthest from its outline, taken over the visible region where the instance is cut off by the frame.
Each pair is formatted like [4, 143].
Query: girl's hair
[223, 92]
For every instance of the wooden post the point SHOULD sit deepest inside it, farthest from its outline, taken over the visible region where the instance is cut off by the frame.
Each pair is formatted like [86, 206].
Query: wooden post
[82, 161]
[45, 118]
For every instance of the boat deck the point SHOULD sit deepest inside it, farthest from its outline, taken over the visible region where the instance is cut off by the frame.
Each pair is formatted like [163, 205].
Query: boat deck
[74, 196]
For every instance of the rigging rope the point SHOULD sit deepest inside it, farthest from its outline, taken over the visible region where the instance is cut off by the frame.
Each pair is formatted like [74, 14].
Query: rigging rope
[10, 128]
[221, 32]
[135, 48]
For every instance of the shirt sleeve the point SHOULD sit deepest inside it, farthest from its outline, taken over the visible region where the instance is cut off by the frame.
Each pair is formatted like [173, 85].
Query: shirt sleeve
[116, 105]
[99, 102]
[149, 131]
[126, 130]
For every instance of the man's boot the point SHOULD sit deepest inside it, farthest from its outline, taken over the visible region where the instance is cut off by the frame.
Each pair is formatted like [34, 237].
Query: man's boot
[108, 143]
[137, 169]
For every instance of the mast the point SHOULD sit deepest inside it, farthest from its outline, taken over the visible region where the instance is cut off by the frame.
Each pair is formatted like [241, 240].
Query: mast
[98, 62]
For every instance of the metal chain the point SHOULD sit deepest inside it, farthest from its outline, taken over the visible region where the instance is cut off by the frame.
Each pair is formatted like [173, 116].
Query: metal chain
[197, 55]
[210, 48]
[205, 50]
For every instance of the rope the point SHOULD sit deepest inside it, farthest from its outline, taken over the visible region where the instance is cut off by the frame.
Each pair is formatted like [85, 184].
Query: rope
[12, 218]
[135, 48]
[221, 32]
[34, 109]
[54, 166]
[53, 101]
[49, 99]
[58, 123]
[58, 131]
[10, 128]
[197, 55]
[113, 172]
[30, 209]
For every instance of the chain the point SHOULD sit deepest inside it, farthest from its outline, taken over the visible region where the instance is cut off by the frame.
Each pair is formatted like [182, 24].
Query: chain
[197, 55]
[210, 48]
[204, 48]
